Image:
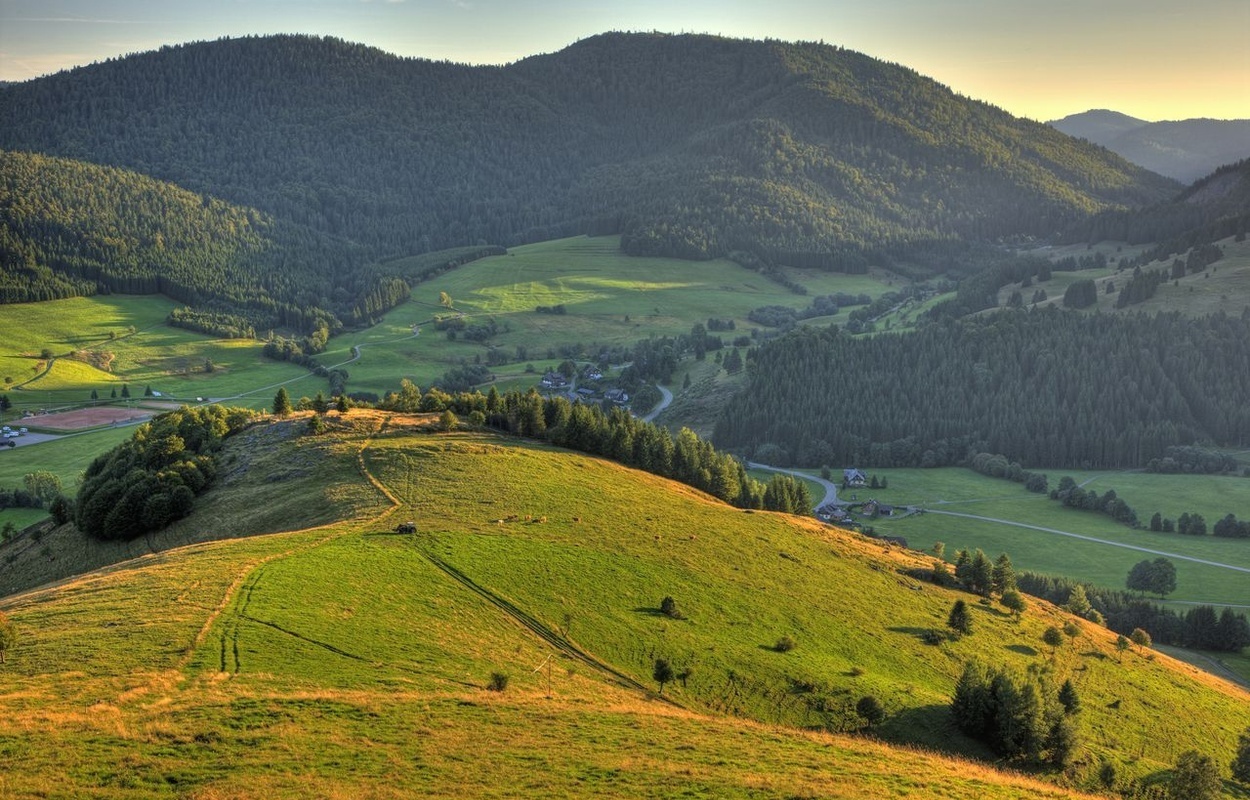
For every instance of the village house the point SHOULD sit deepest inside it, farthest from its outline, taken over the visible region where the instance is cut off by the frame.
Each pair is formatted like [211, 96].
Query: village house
[554, 380]
[854, 478]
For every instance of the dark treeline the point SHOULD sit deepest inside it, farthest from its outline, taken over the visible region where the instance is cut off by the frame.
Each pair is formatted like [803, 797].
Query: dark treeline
[152, 478]
[1042, 387]
[1200, 627]
[615, 434]
[689, 146]
[1214, 208]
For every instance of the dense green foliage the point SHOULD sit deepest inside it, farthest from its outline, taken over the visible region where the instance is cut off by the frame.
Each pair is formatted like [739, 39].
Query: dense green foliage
[1043, 388]
[1199, 627]
[692, 146]
[151, 479]
[70, 228]
[1018, 715]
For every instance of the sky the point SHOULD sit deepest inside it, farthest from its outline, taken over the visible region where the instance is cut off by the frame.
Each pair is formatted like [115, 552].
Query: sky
[1041, 59]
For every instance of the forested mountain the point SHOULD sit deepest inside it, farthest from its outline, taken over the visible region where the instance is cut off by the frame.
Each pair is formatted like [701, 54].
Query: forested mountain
[1045, 388]
[691, 146]
[1185, 150]
[1213, 208]
[70, 228]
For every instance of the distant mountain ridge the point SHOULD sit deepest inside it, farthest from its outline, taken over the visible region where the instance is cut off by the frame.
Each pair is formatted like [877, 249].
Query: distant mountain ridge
[689, 146]
[1185, 150]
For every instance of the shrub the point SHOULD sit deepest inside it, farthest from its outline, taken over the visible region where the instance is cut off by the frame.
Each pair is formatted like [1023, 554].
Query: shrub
[870, 710]
[785, 644]
[498, 681]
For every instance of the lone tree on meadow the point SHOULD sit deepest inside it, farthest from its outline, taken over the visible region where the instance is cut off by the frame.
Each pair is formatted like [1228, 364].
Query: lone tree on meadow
[1053, 637]
[281, 403]
[1122, 643]
[1014, 602]
[8, 635]
[960, 619]
[870, 710]
[663, 672]
[1140, 638]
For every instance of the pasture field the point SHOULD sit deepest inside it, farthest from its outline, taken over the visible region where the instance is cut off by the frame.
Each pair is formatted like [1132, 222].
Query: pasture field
[1223, 286]
[141, 351]
[359, 661]
[963, 491]
[610, 299]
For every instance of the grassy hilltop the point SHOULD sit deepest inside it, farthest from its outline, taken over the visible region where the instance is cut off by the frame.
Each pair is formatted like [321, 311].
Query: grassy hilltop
[357, 661]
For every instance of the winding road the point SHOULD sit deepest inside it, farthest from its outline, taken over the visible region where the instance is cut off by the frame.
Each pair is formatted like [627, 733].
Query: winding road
[831, 488]
[666, 400]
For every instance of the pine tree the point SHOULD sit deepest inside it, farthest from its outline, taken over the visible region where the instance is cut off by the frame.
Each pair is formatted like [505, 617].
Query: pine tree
[1003, 577]
[1068, 698]
[960, 619]
[281, 403]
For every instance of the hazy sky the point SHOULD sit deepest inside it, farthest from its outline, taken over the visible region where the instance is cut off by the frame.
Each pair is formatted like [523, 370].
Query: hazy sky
[1043, 59]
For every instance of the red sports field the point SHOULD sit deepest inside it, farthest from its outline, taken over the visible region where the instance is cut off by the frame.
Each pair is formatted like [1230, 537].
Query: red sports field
[86, 418]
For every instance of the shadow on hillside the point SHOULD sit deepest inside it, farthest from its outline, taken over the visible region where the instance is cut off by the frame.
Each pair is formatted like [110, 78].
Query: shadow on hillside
[650, 612]
[925, 635]
[931, 726]
[1022, 649]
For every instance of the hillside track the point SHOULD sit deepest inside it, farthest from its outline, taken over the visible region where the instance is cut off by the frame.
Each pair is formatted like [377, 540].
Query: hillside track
[512, 610]
[240, 591]
[543, 631]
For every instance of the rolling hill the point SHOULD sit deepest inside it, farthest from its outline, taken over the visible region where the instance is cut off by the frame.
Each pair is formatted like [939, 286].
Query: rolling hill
[1184, 150]
[359, 661]
[690, 146]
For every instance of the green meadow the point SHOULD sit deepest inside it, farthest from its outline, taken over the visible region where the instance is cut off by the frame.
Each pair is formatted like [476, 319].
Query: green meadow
[128, 335]
[963, 491]
[610, 299]
[1221, 287]
[359, 661]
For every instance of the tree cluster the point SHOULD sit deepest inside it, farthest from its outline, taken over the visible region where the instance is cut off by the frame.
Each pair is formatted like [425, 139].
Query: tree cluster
[1020, 716]
[152, 478]
[615, 434]
[1126, 612]
[1107, 503]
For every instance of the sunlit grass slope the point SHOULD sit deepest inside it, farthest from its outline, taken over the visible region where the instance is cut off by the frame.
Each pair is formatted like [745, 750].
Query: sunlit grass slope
[141, 350]
[350, 661]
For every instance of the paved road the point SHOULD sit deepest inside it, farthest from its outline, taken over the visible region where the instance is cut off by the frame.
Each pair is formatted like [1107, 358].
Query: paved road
[831, 489]
[1176, 556]
[665, 401]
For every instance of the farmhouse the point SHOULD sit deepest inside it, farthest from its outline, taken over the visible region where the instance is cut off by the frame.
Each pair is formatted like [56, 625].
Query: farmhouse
[854, 478]
[618, 396]
[554, 380]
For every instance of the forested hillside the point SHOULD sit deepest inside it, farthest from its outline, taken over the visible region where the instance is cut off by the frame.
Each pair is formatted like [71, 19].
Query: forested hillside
[693, 146]
[1214, 208]
[1045, 388]
[68, 228]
